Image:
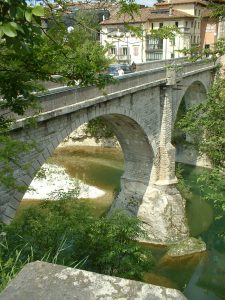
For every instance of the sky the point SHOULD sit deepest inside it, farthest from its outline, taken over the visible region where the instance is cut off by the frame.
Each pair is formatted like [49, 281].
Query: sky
[146, 2]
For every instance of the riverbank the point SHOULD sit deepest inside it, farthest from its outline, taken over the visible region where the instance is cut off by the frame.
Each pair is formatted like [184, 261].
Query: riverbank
[102, 168]
[52, 180]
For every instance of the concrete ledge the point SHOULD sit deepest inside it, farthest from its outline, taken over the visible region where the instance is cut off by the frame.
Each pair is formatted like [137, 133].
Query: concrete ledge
[40, 280]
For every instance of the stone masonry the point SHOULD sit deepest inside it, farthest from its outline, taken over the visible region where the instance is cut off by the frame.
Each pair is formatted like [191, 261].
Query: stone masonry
[141, 109]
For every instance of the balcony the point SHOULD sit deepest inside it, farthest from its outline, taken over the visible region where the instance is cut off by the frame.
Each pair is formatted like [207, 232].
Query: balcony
[123, 58]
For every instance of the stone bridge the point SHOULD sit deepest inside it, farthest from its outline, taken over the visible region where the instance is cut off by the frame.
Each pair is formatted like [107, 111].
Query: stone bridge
[141, 108]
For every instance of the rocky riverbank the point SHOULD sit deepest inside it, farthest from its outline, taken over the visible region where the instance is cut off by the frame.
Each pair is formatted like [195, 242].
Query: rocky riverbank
[79, 137]
[52, 182]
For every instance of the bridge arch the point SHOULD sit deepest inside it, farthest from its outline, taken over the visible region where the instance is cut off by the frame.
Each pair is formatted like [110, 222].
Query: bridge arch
[134, 141]
[192, 95]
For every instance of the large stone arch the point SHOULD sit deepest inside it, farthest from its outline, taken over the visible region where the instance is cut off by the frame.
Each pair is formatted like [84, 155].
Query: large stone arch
[50, 133]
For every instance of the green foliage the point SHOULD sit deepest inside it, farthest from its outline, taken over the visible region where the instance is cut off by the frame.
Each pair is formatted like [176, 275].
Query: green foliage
[10, 154]
[206, 124]
[114, 249]
[67, 232]
[165, 32]
[98, 129]
[211, 188]
[212, 185]
[19, 21]
[179, 137]
[31, 54]
[129, 7]
[196, 52]
[20, 33]
[217, 9]
[182, 186]
[72, 194]
[11, 262]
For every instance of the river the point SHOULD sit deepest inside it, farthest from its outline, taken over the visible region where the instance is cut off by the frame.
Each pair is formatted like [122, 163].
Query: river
[198, 276]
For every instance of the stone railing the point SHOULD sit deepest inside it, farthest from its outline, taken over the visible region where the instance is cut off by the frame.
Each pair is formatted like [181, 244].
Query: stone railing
[154, 64]
[62, 96]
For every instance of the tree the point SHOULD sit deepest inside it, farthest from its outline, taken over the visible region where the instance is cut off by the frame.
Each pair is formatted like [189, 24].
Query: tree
[205, 123]
[30, 54]
[68, 233]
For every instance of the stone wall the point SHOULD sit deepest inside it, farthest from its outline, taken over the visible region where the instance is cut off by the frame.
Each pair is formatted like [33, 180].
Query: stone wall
[39, 280]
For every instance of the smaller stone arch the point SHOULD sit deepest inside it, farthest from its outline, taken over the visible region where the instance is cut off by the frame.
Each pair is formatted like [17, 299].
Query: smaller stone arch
[192, 95]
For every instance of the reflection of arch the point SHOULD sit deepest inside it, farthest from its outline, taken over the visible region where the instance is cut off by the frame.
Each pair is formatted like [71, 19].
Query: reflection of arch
[138, 152]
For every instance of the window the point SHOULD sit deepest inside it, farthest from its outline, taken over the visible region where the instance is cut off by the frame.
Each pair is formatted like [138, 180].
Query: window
[194, 39]
[136, 50]
[160, 25]
[113, 51]
[154, 44]
[152, 26]
[186, 24]
[192, 23]
[124, 51]
[177, 24]
[172, 55]
[154, 48]
[198, 25]
[195, 11]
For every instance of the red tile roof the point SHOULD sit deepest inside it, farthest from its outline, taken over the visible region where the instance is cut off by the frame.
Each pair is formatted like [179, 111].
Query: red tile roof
[171, 2]
[144, 15]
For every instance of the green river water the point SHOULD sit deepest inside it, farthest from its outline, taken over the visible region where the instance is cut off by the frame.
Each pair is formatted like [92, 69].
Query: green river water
[198, 276]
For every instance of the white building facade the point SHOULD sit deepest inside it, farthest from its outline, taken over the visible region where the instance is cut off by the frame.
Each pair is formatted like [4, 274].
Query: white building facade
[127, 47]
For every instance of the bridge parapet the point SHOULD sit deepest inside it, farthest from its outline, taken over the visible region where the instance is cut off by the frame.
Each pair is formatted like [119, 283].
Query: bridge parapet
[62, 96]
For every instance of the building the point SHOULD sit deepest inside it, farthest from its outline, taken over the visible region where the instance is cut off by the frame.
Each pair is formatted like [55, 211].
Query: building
[127, 47]
[209, 30]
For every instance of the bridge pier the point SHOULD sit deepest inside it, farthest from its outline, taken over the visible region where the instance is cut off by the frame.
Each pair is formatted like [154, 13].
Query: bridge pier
[163, 215]
[161, 209]
[167, 152]
[158, 204]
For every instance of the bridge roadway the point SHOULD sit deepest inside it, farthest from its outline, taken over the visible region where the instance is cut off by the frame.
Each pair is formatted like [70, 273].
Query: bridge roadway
[141, 108]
